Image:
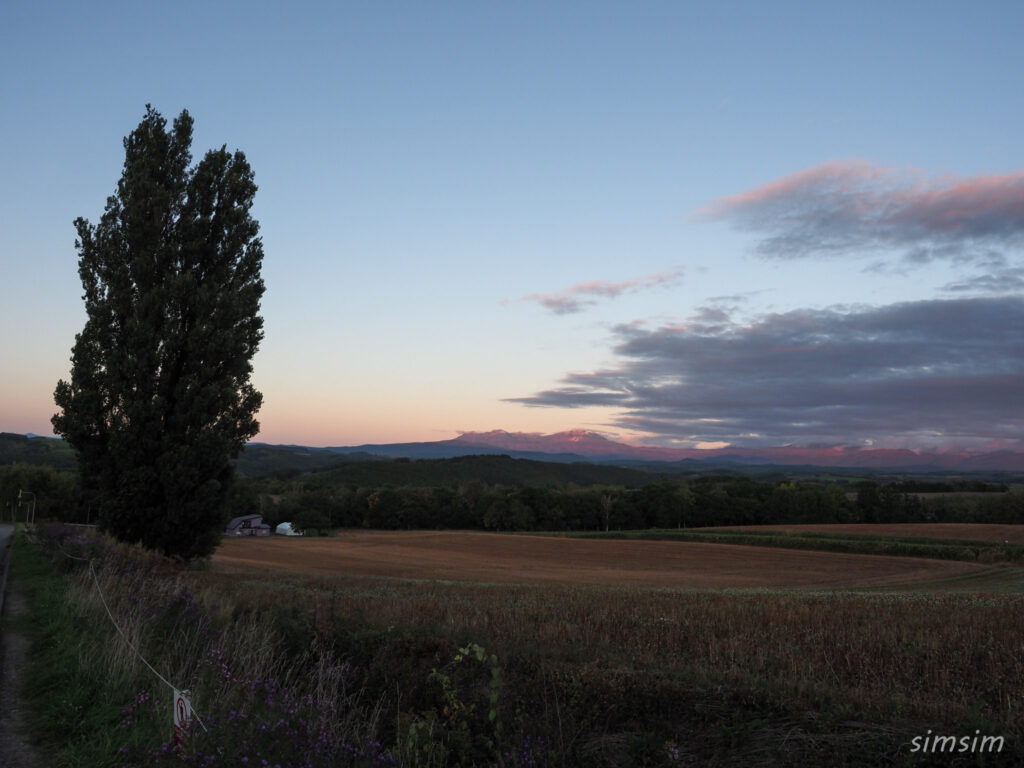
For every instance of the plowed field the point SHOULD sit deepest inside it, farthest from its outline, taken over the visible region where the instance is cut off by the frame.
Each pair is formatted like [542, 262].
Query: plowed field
[495, 558]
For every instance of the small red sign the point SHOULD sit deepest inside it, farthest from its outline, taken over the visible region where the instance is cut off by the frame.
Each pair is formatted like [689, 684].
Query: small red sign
[182, 715]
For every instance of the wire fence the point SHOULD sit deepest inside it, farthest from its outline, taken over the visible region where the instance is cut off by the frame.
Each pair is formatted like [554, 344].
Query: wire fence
[176, 693]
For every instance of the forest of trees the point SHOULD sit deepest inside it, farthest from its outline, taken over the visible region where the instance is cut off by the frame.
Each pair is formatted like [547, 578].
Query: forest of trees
[666, 503]
[502, 494]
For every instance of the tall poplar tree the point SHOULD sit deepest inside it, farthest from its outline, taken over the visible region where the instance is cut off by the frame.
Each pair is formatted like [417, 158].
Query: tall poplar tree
[160, 398]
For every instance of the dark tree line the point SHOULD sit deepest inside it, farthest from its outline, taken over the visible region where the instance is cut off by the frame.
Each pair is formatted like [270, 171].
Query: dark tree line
[693, 503]
[700, 502]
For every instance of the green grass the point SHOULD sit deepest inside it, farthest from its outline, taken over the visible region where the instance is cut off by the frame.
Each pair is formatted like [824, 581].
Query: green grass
[850, 543]
[75, 709]
[1000, 579]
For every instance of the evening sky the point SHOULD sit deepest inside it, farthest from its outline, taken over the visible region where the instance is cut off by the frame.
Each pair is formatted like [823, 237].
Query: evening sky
[679, 223]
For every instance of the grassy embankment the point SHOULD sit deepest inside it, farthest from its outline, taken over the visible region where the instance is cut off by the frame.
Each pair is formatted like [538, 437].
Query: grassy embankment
[94, 703]
[290, 668]
[77, 680]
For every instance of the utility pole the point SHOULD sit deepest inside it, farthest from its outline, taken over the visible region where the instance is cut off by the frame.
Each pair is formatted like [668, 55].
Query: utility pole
[30, 493]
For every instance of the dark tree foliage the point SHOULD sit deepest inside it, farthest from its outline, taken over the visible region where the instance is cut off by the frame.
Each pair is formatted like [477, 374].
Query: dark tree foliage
[160, 397]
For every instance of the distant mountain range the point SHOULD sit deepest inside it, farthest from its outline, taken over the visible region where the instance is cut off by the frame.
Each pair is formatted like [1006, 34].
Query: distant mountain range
[573, 446]
[582, 445]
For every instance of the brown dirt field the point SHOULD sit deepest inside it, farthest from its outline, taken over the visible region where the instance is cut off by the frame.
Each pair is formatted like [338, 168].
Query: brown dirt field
[973, 531]
[495, 558]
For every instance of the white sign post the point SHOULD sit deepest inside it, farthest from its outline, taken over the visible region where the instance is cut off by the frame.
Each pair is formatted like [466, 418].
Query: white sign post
[182, 715]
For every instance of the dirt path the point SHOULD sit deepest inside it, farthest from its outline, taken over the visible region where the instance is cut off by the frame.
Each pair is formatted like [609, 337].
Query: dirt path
[15, 750]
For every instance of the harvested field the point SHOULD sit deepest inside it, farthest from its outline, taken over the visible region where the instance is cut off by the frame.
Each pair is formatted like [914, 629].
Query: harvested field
[969, 531]
[496, 558]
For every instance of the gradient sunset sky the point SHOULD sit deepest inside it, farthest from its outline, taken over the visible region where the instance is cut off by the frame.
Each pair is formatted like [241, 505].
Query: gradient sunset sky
[684, 224]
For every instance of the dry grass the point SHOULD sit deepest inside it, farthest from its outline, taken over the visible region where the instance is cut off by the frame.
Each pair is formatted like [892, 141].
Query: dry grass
[881, 658]
[602, 645]
[642, 608]
[499, 559]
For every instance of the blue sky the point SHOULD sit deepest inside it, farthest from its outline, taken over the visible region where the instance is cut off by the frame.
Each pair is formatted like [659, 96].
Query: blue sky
[527, 215]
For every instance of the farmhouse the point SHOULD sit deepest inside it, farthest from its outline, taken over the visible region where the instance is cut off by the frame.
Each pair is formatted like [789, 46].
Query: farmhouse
[248, 525]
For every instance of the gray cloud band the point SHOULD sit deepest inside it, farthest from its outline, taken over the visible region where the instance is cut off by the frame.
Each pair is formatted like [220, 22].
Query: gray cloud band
[938, 371]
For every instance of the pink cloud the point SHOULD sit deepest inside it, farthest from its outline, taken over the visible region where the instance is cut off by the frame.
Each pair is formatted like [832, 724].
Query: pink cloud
[838, 175]
[574, 298]
[854, 205]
